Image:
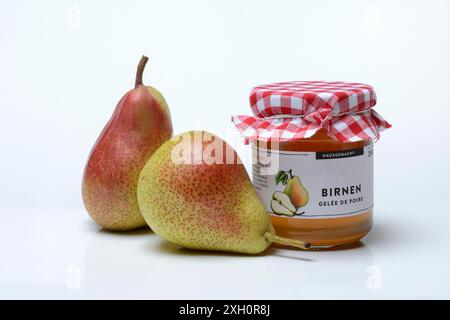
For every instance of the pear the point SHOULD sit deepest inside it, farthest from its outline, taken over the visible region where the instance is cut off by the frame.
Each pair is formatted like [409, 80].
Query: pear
[281, 204]
[284, 200]
[279, 209]
[195, 192]
[296, 192]
[140, 124]
[294, 189]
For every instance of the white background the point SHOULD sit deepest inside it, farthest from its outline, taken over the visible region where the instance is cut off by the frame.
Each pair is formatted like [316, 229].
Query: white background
[65, 64]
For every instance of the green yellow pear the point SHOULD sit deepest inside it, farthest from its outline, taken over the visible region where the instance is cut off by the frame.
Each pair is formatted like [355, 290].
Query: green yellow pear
[195, 192]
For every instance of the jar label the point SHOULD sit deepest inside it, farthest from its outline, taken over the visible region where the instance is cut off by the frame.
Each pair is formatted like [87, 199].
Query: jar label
[314, 184]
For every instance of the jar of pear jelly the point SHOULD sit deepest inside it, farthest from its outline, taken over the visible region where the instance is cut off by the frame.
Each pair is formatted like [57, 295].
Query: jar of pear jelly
[312, 150]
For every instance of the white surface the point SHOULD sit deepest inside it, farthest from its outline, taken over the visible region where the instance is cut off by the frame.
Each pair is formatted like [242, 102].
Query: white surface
[74, 259]
[65, 64]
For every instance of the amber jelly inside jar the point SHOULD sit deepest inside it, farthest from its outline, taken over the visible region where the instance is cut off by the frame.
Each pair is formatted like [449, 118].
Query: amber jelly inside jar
[338, 227]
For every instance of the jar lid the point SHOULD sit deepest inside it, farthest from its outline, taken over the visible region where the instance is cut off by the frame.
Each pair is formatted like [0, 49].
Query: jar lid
[294, 110]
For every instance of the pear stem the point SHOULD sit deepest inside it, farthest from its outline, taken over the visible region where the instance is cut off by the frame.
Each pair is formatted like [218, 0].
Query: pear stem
[287, 242]
[290, 174]
[140, 71]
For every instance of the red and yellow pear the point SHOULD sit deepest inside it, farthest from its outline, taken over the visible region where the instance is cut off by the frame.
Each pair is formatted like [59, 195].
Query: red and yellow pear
[296, 192]
[140, 124]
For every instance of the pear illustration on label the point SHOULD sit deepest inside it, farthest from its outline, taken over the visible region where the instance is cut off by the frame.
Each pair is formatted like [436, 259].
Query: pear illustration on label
[294, 197]
[281, 204]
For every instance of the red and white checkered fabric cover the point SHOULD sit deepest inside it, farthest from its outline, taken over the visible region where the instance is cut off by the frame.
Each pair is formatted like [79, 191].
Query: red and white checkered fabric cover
[295, 110]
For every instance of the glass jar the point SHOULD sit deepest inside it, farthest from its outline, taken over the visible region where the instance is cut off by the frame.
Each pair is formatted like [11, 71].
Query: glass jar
[312, 166]
[317, 189]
